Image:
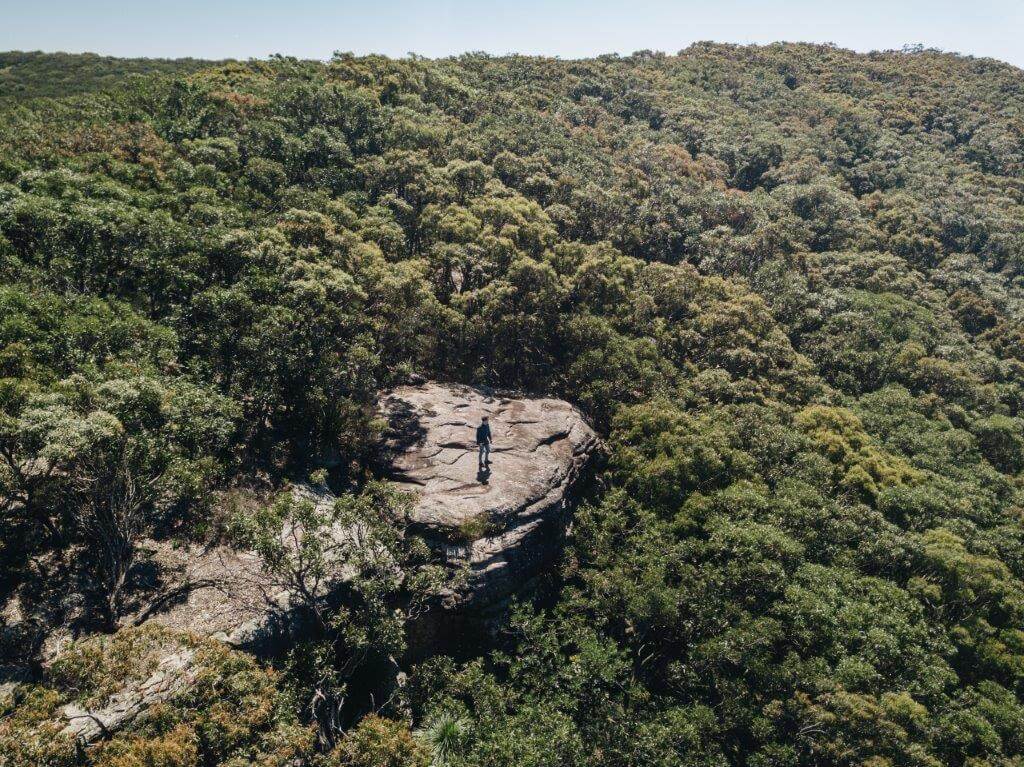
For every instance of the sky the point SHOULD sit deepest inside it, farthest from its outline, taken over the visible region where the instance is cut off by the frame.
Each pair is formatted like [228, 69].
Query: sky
[565, 28]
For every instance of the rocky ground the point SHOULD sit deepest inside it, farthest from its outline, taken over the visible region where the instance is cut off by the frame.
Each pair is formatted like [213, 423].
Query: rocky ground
[495, 527]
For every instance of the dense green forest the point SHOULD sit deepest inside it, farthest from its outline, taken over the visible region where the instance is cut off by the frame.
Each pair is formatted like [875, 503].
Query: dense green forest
[32, 74]
[785, 283]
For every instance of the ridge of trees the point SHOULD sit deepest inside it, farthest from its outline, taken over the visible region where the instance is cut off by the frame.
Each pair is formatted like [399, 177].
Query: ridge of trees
[785, 282]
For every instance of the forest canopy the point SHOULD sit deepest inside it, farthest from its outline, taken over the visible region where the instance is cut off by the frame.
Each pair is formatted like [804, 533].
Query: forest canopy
[33, 74]
[785, 284]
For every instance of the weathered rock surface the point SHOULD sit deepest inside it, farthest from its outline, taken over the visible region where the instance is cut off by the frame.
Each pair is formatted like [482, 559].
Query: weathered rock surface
[214, 592]
[500, 525]
[497, 528]
[175, 673]
[222, 593]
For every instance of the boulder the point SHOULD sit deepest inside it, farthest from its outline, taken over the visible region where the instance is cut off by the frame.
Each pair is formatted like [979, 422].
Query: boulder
[497, 525]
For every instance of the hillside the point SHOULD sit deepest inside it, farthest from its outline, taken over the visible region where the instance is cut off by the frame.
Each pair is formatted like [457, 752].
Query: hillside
[784, 284]
[27, 75]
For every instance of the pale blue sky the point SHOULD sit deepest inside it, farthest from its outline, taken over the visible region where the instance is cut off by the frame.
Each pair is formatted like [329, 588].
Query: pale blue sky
[566, 28]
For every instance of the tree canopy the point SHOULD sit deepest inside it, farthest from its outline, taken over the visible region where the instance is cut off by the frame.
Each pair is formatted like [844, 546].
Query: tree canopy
[786, 284]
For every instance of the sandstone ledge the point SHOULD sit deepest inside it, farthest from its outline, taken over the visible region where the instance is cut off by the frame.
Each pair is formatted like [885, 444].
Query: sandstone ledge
[496, 530]
[503, 524]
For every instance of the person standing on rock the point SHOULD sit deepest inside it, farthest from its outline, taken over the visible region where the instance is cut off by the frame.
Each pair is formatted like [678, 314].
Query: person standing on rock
[483, 440]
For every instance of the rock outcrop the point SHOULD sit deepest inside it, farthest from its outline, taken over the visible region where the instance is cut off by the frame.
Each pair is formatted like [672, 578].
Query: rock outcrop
[210, 591]
[223, 593]
[495, 527]
[499, 525]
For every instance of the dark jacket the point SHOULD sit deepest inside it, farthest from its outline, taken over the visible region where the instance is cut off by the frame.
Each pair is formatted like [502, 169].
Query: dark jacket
[483, 434]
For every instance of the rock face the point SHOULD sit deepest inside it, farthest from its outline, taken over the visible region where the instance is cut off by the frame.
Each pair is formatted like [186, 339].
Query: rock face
[496, 528]
[222, 593]
[210, 591]
[214, 592]
[501, 524]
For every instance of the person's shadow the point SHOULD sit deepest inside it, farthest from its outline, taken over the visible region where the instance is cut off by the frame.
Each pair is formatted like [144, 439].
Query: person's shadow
[483, 474]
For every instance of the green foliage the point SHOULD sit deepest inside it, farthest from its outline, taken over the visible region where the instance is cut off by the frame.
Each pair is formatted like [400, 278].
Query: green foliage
[356, 575]
[232, 714]
[1001, 441]
[27, 75]
[378, 742]
[783, 281]
[860, 466]
[311, 548]
[30, 733]
[445, 735]
[105, 457]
